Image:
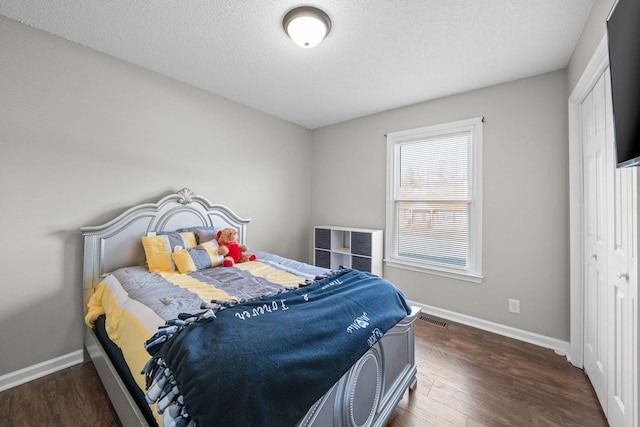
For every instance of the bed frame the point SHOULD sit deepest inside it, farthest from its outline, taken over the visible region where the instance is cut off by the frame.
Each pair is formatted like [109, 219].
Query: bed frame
[365, 396]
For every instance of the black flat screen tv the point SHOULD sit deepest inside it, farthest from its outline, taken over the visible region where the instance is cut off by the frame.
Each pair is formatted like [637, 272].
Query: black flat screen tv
[623, 33]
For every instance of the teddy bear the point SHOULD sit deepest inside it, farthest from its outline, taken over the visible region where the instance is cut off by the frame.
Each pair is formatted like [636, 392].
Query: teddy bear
[227, 237]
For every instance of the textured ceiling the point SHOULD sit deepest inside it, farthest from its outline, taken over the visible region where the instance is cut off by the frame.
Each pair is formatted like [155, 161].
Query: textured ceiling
[380, 54]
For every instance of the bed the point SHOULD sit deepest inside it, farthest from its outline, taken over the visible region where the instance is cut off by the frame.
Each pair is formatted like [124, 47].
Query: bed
[364, 393]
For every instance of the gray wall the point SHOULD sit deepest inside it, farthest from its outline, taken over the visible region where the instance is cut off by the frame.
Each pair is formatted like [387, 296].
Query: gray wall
[82, 137]
[525, 215]
[592, 33]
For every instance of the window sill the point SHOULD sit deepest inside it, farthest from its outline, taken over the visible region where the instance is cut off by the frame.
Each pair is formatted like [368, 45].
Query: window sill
[438, 271]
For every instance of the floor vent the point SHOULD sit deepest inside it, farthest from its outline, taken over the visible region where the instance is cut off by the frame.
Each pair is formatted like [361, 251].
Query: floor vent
[434, 321]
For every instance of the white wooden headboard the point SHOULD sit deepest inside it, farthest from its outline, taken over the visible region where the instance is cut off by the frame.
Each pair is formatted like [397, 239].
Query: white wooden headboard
[117, 243]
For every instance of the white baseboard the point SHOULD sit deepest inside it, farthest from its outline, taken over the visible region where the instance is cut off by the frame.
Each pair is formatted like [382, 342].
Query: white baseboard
[47, 367]
[559, 346]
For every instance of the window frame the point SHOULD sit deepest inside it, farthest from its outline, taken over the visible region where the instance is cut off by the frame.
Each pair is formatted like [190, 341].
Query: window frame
[473, 270]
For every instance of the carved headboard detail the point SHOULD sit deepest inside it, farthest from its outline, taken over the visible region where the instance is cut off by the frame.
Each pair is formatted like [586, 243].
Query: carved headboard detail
[117, 243]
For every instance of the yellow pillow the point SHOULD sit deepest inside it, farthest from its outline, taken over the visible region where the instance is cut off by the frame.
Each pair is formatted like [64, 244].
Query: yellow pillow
[158, 249]
[202, 256]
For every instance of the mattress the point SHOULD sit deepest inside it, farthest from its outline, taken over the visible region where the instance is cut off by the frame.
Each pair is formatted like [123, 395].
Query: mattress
[117, 360]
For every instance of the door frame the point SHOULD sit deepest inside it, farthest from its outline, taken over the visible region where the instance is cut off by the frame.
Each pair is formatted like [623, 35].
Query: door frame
[596, 66]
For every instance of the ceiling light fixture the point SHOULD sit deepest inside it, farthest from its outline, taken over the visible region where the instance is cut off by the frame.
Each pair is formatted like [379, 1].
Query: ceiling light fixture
[307, 26]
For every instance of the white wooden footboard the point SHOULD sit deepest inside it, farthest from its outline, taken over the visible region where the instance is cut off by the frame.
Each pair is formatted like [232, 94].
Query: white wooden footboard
[365, 396]
[368, 393]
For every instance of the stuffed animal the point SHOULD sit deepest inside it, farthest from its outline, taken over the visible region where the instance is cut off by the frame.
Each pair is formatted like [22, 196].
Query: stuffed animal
[228, 237]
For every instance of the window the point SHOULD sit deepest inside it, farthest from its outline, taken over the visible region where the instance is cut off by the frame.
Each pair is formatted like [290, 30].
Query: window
[434, 199]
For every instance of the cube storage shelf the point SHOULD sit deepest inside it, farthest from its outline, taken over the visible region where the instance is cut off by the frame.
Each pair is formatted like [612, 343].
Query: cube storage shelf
[357, 248]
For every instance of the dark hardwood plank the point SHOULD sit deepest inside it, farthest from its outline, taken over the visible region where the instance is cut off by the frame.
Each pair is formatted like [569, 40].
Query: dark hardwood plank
[466, 378]
[483, 379]
[70, 397]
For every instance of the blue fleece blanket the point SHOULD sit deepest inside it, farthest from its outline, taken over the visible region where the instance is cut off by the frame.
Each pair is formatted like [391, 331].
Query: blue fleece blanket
[265, 362]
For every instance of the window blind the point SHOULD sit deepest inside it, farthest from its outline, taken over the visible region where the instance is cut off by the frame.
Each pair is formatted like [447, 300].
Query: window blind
[432, 200]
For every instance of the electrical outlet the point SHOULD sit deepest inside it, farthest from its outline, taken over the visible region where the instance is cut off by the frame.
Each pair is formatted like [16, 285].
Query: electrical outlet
[514, 306]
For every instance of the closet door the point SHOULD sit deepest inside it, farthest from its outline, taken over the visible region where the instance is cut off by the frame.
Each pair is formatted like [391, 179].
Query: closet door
[622, 289]
[610, 262]
[595, 240]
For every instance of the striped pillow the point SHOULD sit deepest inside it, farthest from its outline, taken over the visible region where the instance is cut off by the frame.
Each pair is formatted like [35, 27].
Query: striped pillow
[202, 256]
[158, 249]
[203, 233]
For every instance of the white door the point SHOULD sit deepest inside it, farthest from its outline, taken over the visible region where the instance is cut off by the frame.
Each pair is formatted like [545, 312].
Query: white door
[622, 288]
[622, 304]
[610, 262]
[595, 239]
[607, 249]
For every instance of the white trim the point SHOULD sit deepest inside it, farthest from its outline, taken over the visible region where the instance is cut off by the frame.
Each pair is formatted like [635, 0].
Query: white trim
[30, 373]
[473, 272]
[559, 346]
[594, 69]
[435, 270]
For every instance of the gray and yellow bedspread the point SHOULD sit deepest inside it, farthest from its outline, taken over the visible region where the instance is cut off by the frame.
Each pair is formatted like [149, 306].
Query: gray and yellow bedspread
[136, 303]
[264, 362]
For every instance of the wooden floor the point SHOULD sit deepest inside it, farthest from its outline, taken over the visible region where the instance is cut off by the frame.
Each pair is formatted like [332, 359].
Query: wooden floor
[472, 378]
[69, 398]
[466, 377]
